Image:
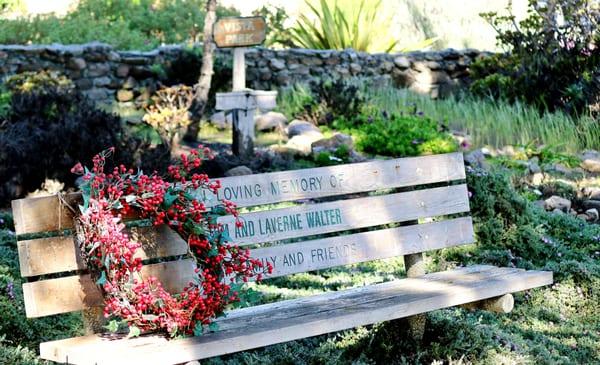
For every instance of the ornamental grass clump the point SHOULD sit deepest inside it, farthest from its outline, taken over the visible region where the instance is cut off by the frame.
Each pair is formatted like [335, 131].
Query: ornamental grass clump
[143, 304]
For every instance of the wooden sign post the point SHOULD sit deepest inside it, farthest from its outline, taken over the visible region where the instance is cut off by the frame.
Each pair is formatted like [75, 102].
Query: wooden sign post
[239, 33]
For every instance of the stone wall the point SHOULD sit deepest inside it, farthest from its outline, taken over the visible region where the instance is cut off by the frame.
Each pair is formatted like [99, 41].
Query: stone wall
[107, 75]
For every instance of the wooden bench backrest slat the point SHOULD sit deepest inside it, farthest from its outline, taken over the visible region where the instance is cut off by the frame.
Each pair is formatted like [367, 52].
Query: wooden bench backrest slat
[341, 215]
[59, 254]
[44, 214]
[42, 256]
[78, 292]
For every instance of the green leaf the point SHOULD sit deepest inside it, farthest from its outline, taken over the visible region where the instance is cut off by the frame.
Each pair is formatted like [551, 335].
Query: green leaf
[213, 327]
[133, 332]
[112, 326]
[102, 279]
[169, 199]
[198, 329]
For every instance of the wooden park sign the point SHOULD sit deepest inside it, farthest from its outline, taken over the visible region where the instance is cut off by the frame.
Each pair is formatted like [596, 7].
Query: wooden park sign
[239, 32]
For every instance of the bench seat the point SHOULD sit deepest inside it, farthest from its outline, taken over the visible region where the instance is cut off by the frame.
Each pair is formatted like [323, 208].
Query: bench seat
[268, 324]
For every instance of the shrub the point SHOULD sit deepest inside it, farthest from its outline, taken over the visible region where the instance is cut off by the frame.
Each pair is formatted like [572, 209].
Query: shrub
[169, 112]
[397, 134]
[551, 64]
[49, 128]
[322, 101]
[142, 24]
[341, 25]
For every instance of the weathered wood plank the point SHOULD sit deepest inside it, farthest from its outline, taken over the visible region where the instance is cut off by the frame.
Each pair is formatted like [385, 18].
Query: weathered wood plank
[43, 214]
[349, 249]
[73, 293]
[59, 254]
[318, 182]
[418, 295]
[82, 292]
[341, 215]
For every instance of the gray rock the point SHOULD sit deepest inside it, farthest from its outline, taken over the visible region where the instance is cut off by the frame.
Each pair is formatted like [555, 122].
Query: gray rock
[333, 143]
[476, 158]
[270, 121]
[122, 71]
[591, 165]
[534, 168]
[283, 78]
[302, 144]
[76, 63]
[300, 127]
[402, 62]
[355, 68]
[221, 120]
[591, 204]
[277, 64]
[98, 69]
[556, 202]
[124, 95]
[239, 171]
[593, 214]
[102, 81]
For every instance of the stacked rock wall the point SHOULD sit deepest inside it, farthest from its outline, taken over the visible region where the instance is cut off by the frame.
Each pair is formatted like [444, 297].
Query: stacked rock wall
[107, 75]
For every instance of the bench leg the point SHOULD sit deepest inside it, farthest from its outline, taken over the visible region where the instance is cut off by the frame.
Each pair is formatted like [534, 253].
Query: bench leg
[501, 304]
[93, 320]
[415, 266]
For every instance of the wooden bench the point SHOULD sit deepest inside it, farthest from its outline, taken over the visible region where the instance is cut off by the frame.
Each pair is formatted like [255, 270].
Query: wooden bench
[356, 228]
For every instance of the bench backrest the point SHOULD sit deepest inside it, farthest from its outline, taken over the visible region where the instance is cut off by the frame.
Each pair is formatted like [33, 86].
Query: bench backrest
[333, 232]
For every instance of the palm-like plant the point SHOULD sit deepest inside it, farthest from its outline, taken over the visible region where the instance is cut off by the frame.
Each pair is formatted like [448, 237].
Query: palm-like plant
[337, 27]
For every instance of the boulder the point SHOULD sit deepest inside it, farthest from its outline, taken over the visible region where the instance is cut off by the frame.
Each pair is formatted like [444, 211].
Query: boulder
[238, 171]
[300, 127]
[332, 143]
[591, 204]
[591, 165]
[270, 121]
[476, 158]
[302, 144]
[591, 192]
[592, 214]
[556, 202]
[124, 95]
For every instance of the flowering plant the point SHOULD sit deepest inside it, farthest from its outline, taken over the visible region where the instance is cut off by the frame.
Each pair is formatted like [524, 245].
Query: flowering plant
[142, 303]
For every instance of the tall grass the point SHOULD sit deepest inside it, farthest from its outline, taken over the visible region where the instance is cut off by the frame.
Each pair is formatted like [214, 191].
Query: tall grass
[495, 123]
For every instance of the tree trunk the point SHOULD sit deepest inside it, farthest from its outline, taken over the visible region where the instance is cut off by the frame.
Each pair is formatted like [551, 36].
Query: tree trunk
[203, 86]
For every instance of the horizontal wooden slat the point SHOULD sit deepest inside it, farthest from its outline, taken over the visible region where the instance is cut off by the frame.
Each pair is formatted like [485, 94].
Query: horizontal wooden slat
[268, 324]
[59, 254]
[73, 293]
[318, 182]
[43, 214]
[366, 246]
[341, 215]
[42, 297]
